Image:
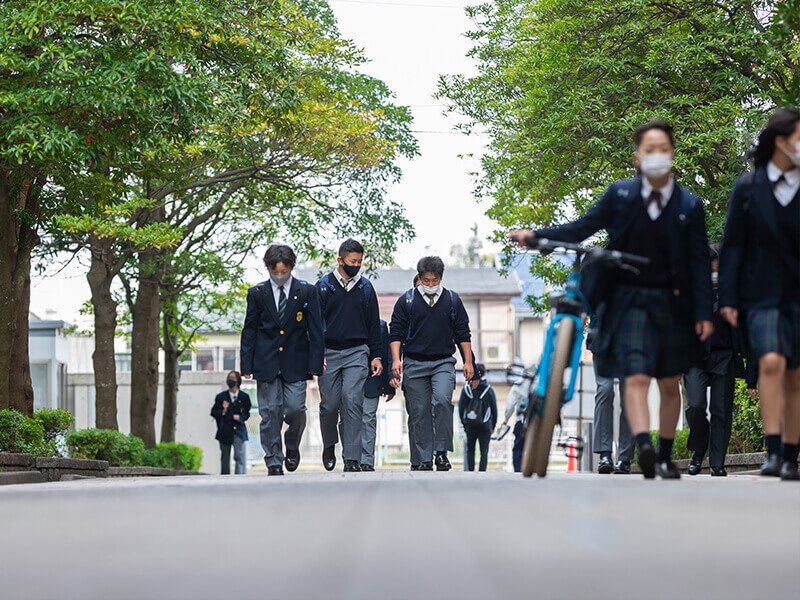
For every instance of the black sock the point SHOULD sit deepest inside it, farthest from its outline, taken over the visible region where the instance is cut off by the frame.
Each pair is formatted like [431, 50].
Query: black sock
[664, 448]
[790, 452]
[605, 455]
[642, 440]
[773, 445]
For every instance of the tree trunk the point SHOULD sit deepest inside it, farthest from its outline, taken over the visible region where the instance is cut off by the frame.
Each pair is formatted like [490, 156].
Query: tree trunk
[144, 352]
[100, 278]
[17, 239]
[172, 375]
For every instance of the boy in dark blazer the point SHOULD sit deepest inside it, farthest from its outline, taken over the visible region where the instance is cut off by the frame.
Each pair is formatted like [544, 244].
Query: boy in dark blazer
[231, 409]
[282, 347]
[650, 324]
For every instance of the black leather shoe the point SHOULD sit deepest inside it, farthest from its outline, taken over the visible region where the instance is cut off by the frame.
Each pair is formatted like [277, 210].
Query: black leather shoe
[442, 464]
[667, 469]
[789, 471]
[623, 467]
[276, 470]
[415, 467]
[772, 466]
[718, 472]
[329, 458]
[604, 466]
[647, 461]
[366, 467]
[695, 466]
[292, 460]
[426, 466]
[351, 466]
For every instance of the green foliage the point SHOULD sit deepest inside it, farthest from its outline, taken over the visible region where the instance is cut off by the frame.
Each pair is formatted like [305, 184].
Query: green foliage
[118, 449]
[679, 450]
[55, 422]
[562, 84]
[174, 455]
[748, 431]
[26, 435]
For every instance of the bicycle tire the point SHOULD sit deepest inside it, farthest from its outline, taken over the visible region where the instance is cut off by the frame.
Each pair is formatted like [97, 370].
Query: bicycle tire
[539, 437]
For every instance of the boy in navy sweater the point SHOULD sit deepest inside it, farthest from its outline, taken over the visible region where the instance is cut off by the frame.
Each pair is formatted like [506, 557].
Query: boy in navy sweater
[352, 349]
[427, 322]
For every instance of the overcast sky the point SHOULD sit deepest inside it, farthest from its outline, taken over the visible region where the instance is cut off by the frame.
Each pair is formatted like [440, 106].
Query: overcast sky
[409, 44]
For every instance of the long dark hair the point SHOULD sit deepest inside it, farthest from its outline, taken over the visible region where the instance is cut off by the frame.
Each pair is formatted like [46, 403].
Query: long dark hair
[782, 122]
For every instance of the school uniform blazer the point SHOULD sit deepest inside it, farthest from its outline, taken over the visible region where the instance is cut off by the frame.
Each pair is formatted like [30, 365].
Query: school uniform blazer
[295, 348]
[690, 265]
[753, 257]
[227, 426]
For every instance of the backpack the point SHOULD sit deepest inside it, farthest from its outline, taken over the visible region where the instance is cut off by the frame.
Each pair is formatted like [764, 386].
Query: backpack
[262, 287]
[477, 412]
[326, 286]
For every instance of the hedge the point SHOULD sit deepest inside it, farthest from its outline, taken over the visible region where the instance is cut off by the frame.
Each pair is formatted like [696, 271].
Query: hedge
[39, 435]
[118, 449]
[174, 455]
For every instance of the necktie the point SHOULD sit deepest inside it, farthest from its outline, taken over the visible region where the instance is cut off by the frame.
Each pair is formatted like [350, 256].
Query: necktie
[346, 283]
[431, 299]
[778, 181]
[281, 305]
[655, 198]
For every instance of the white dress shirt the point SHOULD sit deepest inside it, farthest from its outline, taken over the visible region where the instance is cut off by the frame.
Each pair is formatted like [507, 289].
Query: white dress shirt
[653, 209]
[786, 190]
[428, 300]
[276, 290]
[347, 284]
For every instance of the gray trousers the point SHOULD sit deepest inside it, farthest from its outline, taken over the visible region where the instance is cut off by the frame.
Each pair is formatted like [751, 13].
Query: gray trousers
[429, 387]
[239, 456]
[604, 419]
[280, 401]
[718, 374]
[369, 430]
[341, 389]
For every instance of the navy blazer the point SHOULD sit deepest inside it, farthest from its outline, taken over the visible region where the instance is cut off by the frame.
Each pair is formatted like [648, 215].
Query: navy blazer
[227, 426]
[690, 265]
[295, 349]
[752, 259]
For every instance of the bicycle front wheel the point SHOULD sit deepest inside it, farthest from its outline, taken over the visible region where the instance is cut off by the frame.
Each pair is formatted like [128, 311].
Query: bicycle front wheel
[539, 436]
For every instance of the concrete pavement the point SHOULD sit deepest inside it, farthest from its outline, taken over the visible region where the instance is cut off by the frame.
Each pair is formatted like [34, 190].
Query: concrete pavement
[390, 535]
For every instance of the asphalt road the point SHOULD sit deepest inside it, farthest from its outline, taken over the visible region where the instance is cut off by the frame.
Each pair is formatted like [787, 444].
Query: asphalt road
[384, 536]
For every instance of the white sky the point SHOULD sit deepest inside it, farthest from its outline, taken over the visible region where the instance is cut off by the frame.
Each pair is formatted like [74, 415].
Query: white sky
[409, 44]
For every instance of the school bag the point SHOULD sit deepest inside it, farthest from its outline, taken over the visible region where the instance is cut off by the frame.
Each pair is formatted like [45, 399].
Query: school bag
[477, 412]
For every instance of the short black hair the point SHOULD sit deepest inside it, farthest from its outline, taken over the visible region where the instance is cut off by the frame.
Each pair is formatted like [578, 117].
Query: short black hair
[349, 246]
[659, 124]
[416, 280]
[782, 122]
[279, 253]
[480, 370]
[430, 264]
[238, 377]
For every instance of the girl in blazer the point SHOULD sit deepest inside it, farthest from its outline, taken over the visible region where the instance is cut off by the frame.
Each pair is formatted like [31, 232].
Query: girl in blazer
[759, 282]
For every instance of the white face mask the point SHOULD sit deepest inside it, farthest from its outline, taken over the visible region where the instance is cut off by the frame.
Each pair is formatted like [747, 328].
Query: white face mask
[793, 156]
[431, 290]
[655, 165]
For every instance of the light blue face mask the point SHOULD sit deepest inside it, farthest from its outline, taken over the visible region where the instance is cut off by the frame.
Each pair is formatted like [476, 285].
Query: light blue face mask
[279, 280]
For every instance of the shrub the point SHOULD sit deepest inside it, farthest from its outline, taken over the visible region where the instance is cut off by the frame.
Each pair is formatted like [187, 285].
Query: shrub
[26, 435]
[174, 455]
[118, 449]
[679, 449]
[55, 422]
[748, 432]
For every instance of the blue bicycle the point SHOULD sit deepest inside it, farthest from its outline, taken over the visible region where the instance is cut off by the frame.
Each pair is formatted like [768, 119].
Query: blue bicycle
[548, 390]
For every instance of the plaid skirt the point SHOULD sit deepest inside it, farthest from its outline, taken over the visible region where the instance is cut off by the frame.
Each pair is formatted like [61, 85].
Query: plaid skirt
[640, 333]
[776, 330]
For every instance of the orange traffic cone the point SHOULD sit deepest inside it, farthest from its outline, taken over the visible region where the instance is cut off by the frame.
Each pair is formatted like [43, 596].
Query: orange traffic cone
[572, 458]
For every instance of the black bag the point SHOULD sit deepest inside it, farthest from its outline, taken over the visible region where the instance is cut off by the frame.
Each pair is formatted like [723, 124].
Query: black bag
[475, 413]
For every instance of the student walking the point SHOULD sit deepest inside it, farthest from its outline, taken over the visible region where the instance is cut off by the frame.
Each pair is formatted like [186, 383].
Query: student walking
[428, 322]
[352, 349]
[375, 387]
[651, 324]
[759, 282]
[282, 347]
[477, 409]
[231, 409]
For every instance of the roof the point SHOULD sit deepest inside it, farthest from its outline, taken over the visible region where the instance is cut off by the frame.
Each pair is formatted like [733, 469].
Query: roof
[466, 282]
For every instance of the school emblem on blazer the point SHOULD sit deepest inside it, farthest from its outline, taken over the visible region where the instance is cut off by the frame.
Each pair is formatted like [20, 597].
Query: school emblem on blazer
[300, 316]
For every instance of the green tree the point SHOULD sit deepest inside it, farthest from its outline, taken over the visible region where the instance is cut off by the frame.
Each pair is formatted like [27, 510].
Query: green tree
[562, 84]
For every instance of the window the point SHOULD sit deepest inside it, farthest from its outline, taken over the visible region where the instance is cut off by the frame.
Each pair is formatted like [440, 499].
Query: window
[185, 362]
[205, 360]
[229, 362]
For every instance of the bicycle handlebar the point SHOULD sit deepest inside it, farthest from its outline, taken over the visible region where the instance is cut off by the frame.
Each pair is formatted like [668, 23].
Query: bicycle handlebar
[546, 245]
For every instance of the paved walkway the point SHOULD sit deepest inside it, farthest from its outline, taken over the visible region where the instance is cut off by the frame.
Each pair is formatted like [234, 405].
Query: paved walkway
[384, 536]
